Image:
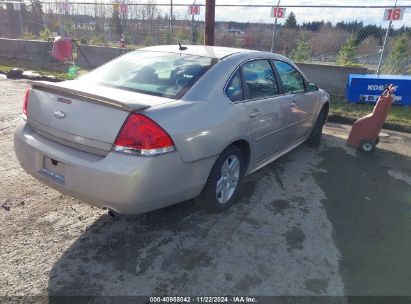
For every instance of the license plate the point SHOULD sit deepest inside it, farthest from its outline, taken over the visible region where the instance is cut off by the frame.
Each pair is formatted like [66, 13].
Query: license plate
[57, 177]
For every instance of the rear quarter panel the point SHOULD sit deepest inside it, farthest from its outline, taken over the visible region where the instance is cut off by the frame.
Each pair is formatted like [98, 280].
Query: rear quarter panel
[202, 129]
[204, 122]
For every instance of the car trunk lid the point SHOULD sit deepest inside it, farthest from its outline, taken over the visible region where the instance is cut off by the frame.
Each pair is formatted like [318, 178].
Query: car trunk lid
[83, 116]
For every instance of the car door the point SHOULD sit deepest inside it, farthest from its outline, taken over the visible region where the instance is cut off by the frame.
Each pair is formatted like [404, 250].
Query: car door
[301, 103]
[265, 108]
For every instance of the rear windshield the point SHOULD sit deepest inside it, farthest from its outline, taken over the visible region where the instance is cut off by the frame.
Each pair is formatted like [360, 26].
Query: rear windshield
[155, 73]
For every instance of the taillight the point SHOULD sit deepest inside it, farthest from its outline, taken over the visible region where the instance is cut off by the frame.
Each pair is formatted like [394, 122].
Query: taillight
[142, 136]
[26, 99]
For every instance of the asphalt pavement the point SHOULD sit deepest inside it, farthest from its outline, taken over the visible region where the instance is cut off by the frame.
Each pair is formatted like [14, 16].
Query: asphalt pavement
[318, 221]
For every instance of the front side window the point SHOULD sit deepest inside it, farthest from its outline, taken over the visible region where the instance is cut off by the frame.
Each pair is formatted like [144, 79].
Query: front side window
[260, 80]
[154, 73]
[293, 82]
[234, 89]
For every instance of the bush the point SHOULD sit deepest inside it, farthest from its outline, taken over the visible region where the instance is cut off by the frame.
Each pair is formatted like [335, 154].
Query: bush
[239, 43]
[27, 35]
[398, 61]
[199, 37]
[167, 38]
[183, 36]
[45, 34]
[302, 52]
[348, 53]
[148, 41]
[327, 42]
[226, 39]
[97, 40]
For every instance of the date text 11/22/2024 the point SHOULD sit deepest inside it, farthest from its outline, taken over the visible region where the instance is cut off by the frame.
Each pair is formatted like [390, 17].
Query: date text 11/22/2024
[234, 299]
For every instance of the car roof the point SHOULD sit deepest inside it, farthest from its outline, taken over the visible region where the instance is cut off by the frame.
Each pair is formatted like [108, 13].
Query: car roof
[218, 52]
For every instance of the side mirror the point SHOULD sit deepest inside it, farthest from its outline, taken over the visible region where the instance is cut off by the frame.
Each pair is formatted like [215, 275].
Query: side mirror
[312, 87]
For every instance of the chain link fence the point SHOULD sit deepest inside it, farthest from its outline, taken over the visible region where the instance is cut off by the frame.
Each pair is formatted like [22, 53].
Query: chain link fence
[343, 35]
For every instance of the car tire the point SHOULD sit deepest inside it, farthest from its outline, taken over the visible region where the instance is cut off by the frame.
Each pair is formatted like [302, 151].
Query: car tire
[315, 136]
[223, 183]
[367, 146]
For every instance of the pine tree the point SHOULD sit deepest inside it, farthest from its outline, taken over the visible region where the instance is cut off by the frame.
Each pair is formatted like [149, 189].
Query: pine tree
[301, 52]
[398, 61]
[291, 21]
[348, 53]
[167, 38]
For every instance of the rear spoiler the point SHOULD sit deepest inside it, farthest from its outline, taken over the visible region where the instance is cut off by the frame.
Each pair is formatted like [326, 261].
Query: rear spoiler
[59, 90]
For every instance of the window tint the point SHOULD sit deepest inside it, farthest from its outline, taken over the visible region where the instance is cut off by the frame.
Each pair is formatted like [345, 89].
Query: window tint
[234, 89]
[154, 73]
[259, 78]
[292, 80]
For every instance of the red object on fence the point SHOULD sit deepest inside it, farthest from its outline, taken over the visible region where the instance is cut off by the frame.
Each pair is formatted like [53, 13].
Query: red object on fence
[62, 48]
[364, 132]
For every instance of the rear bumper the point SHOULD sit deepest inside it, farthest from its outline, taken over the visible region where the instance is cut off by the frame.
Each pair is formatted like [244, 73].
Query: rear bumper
[127, 184]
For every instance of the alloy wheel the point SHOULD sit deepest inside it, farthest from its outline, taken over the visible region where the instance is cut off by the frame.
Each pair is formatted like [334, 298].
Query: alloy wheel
[228, 179]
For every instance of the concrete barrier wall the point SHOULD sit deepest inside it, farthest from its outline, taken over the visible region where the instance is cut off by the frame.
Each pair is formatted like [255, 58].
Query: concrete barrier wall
[22, 49]
[98, 55]
[34, 50]
[331, 78]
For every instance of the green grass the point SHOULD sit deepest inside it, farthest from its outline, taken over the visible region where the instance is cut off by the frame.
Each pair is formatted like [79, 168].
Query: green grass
[339, 106]
[60, 71]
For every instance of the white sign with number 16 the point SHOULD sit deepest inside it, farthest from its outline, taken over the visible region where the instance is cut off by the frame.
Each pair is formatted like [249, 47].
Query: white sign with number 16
[394, 14]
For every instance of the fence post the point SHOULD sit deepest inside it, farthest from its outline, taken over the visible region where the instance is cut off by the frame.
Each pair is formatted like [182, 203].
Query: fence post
[192, 29]
[383, 48]
[192, 25]
[274, 27]
[209, 22]
[171, 18]
[385, 41]
[21, 27]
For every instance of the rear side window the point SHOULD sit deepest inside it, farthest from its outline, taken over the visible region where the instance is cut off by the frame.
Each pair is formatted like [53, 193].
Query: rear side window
[292, 80]
[234, 89]
[260, 80]
[154, 73]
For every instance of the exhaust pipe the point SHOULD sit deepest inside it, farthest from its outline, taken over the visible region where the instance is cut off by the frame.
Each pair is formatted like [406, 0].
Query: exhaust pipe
[112, 213]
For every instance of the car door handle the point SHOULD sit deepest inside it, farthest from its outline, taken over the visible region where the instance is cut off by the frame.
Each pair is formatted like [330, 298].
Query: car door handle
[293, 105]
[255, 113]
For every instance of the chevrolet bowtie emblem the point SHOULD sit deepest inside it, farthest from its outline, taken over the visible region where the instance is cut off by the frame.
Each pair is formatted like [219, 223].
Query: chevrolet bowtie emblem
[59, 114]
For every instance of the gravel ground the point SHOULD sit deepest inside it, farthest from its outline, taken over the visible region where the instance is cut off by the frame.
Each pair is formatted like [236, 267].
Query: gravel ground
[30, 212]
[284, 237]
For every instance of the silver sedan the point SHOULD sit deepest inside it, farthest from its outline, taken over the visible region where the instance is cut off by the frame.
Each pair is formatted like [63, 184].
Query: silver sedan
[166, 124]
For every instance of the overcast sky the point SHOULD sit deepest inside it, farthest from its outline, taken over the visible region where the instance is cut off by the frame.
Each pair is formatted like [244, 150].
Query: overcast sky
[367, 15]
[370, 15]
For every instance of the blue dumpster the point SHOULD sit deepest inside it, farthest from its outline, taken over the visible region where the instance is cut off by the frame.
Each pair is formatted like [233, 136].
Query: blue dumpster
[367, 88]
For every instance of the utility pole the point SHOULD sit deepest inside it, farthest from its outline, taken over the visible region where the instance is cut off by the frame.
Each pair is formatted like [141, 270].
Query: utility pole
[209, 22]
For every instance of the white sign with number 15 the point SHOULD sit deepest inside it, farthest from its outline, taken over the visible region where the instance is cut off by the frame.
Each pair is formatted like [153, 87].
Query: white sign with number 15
[278, 12]
[394, 14]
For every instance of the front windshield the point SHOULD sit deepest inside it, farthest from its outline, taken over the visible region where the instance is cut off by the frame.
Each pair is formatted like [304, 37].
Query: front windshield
[155, 73]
